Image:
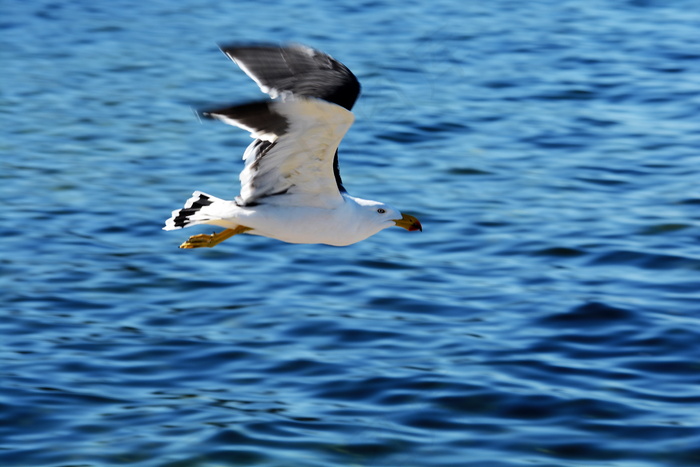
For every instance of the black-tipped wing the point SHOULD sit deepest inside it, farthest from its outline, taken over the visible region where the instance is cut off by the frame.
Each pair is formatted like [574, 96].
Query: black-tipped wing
[259, 118]
[297, 70]
[295, 146]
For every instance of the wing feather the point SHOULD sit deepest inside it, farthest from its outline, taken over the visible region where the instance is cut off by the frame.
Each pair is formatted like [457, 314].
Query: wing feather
[297, 70]
[296, 143]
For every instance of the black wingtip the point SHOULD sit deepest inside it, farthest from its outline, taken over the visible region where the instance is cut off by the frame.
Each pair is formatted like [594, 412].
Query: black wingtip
[259, 116]
[298, 69]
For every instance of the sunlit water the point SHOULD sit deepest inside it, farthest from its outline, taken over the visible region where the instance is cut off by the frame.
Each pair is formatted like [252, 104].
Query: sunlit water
[547, 315]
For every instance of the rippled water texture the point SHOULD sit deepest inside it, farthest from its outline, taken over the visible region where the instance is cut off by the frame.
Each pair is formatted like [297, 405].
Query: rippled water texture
[547, 316]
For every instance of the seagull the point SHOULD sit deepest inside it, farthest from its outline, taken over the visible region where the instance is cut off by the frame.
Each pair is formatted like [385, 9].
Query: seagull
[291, 189]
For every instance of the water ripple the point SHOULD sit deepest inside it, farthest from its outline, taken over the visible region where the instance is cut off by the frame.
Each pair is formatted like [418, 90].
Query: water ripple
[547, 315]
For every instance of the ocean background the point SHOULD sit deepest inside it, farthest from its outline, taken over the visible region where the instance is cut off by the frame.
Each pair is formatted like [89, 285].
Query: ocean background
[548, 315]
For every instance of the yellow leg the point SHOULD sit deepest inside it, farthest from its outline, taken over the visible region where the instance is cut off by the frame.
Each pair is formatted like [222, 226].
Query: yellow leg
[210, 241]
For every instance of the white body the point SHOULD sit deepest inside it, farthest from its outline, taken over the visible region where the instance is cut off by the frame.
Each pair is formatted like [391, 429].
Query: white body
[353, 220]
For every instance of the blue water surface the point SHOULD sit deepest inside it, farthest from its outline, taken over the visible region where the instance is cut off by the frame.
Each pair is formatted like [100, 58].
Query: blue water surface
[547, 316]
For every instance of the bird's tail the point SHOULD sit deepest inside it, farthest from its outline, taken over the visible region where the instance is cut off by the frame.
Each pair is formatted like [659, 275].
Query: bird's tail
[201, 208]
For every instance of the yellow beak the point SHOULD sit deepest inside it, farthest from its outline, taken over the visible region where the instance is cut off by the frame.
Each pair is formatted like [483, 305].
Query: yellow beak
[409, 223]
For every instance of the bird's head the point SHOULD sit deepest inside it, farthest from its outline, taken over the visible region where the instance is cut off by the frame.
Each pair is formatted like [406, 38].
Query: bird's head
[386, 216]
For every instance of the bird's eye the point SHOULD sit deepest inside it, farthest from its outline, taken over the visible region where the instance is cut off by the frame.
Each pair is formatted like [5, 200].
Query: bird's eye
[381, 211]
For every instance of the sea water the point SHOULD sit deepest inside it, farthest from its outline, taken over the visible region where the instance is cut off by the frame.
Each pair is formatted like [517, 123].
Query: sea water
[546, 316]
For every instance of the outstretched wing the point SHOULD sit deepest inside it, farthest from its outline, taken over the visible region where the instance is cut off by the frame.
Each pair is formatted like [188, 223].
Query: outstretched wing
[296, 141]
[298, 71]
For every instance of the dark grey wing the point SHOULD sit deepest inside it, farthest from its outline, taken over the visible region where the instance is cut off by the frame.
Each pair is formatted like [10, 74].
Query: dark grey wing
[256, 117]
[293, 152]
[298, 70]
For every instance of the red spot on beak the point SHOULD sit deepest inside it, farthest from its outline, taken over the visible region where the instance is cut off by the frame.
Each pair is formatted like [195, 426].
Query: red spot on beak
[415, 226]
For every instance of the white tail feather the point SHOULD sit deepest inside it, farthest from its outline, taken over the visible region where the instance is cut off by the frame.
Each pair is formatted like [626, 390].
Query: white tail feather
[201, 208]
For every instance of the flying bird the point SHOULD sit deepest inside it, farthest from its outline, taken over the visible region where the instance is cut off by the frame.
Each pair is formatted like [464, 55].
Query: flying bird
[291, 188]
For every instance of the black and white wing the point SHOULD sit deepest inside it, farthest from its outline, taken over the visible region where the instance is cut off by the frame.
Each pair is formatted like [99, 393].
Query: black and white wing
[291, 160]
[288, 130]
[297, 70]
